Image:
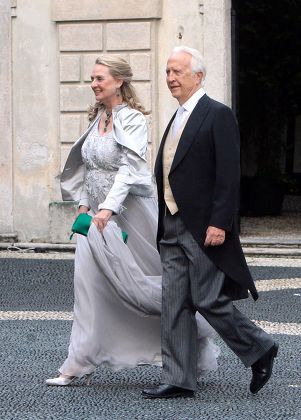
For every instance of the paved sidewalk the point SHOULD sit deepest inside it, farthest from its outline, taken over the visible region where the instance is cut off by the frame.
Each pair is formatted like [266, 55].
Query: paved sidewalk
[35, 317]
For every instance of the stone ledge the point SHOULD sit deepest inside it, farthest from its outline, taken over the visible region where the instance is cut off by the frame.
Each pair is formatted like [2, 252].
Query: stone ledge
[36, 247]
[85, 10]
[8, 237]
[70, 247]
[271, 252]
[271, 242]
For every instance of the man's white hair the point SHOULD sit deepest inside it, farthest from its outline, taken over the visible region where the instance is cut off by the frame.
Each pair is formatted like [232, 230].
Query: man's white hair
[197, 60]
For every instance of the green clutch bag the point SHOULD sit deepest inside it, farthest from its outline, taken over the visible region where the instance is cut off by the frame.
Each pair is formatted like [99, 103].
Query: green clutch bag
[82, 224]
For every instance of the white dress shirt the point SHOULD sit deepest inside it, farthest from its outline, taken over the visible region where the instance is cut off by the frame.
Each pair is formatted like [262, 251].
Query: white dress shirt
[186, 109]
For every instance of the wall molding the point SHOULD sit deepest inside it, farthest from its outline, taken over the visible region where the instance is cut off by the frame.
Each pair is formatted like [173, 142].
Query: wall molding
[78, 10]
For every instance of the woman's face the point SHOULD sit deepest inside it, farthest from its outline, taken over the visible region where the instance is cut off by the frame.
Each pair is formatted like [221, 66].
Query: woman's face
[104, 85]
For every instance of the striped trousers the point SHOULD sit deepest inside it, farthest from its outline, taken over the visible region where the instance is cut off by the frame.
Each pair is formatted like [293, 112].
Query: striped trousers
[190, 283]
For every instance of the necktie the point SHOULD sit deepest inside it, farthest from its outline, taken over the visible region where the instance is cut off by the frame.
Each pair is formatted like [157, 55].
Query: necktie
[178, 120]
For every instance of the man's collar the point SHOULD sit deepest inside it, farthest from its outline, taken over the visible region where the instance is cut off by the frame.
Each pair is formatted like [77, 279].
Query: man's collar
[193, 100]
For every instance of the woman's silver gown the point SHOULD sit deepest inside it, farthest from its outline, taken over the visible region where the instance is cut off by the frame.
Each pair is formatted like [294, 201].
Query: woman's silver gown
[117, 286]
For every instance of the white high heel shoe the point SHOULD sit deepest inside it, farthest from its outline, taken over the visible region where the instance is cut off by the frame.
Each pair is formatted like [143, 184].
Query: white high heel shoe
[64, 380]
[60, 380]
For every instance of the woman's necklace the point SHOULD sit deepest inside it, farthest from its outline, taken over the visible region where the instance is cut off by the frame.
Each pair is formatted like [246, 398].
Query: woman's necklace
[107, 121]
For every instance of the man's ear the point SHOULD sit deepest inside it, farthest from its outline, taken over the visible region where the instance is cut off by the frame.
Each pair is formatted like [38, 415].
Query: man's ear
[199, 76]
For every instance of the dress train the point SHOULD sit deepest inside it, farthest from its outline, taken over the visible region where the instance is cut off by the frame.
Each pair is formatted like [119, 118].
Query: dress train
[117, 298]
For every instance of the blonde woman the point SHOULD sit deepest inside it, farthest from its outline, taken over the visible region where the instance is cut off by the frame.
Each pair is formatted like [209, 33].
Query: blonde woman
[117, 286]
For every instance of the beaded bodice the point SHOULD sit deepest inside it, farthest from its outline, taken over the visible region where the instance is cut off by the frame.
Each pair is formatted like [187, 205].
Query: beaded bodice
[102, 157]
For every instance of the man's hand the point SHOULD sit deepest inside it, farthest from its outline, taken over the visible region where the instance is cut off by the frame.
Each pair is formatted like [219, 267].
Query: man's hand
[214, 236]
[101, 219]
[82, 209]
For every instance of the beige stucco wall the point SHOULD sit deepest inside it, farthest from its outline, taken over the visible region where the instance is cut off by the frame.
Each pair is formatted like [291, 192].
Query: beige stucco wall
[35, 106]
[51, 46]
[6, 173]
[217, 49]
[205, 26]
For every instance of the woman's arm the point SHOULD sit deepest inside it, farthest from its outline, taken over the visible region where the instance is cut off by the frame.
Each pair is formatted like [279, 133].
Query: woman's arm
[84, 198]
[133, 171]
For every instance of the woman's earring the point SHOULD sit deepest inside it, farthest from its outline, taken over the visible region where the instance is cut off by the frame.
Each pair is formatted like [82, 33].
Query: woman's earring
[117, 91]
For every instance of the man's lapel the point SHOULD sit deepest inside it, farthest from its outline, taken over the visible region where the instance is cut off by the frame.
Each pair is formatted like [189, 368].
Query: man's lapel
[192, 126]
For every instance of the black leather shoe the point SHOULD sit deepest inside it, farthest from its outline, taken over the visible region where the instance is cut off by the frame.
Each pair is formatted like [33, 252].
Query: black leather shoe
[167, 391]
[262, 369]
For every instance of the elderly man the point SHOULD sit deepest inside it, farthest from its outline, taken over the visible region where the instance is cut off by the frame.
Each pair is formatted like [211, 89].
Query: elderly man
[204, 269]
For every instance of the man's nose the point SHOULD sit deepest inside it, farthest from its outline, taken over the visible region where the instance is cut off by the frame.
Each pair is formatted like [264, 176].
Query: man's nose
[170, 77]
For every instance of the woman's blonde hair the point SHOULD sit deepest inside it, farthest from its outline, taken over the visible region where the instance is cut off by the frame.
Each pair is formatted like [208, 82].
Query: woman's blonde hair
[119, 69]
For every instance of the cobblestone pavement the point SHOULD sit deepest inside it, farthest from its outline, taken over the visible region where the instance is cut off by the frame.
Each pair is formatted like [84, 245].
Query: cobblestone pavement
[35, 318]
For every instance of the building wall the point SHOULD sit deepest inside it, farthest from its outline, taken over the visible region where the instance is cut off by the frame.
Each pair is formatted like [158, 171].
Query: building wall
[6, 172]
[35, 118]
[51, 46]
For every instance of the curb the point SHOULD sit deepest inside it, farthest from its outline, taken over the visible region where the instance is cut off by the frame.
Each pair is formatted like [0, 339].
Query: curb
[36, 247]
[254, 247]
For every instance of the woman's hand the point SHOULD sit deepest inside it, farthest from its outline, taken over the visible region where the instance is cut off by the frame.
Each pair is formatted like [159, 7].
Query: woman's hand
[82, 209]
[101, 219]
